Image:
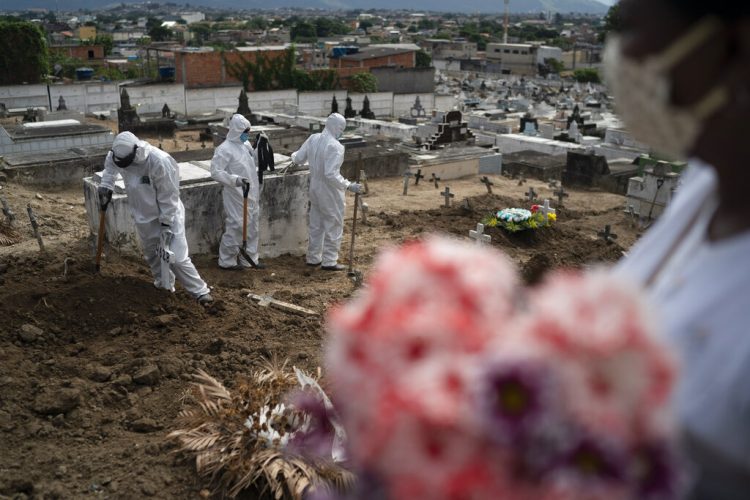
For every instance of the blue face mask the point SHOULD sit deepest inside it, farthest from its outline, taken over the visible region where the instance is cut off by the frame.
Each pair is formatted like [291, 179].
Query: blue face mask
[244, 136]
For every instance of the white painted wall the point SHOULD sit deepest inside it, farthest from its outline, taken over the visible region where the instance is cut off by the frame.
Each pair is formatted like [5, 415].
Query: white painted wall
[151, 98]
[402, 103]
[24, 96]
[445, 103]
[87, 97]
[319, 103]
[208, 100]
[381, 103]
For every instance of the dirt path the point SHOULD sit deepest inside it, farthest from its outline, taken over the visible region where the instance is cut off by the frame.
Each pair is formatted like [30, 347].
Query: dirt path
[95, 367]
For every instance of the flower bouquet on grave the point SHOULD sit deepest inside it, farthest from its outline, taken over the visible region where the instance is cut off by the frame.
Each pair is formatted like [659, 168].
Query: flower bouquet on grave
[520, 219]
[260, 436]
[453, 382]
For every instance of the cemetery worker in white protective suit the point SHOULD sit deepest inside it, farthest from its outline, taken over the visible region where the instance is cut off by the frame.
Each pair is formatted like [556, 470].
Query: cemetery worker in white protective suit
[233, 165]
[325, 154]
[152, 183]
[680, 74]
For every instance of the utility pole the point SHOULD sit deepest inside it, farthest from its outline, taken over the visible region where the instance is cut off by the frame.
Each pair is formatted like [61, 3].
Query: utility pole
[507, 21]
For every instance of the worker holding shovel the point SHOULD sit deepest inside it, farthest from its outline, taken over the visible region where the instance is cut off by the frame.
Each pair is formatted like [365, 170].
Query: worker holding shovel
[152, 183]
[233, 165]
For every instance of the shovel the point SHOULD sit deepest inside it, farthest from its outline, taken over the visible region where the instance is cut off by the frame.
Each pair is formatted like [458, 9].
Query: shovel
[243, 248]
[104, 203]
[356, 275]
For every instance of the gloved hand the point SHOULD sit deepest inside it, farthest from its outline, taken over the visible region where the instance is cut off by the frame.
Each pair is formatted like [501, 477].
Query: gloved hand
[241, 180]
[105, 196]
[166, 234]
[355, 187]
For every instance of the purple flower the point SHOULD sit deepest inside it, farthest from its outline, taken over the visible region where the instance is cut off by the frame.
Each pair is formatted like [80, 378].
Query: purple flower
[594, 460]
[655, 471]
[514, 398]
[314, 437]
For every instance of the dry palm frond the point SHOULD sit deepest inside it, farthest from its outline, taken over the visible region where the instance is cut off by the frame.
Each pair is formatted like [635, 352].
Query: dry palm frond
[8, 236]
[238, 439]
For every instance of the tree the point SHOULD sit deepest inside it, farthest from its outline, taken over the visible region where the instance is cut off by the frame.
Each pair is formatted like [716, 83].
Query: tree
[160, 33]
[612, 21]
[106, 42]
[586, 75]
[423, 59]
[554, 65]
[23, 53]
[363, 83]
[365, 25]
[302, 31]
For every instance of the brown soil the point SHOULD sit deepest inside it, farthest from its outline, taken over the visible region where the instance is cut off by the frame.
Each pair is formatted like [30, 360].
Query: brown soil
[96, 366]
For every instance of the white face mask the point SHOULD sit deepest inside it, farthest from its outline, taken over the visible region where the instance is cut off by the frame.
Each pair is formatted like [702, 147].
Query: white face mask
[642, 92]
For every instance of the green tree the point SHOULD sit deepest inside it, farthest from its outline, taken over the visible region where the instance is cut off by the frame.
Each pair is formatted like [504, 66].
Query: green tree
[612, 21]
[23, 53]
[555, 65]
[423, 59]
[586, 75]
[106, 42]
[363, 83]
[303, 31]
[365, 25]
[160, 33]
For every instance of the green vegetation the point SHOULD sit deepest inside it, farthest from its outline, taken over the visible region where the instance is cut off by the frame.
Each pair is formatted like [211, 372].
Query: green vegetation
[586, 75]
[423, 59]
[364, 83]
[23, 53]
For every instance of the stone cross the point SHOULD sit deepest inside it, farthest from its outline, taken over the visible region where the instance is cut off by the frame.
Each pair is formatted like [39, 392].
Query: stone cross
[447, 195]
[478, 236]
[546, 210]
[488, 184]
[435, 180]
[9, 215]
[407, 174]
[363, 180]
[418, 176]
[560, 193]
[607, 235]
[531, 194]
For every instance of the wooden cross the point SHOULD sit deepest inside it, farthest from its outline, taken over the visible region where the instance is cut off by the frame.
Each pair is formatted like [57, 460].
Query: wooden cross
[9, 215]
[407, 174]
[478, 236]
[531, 194]
[418, 176]
[488, 184]
[447, 195]
[546, 210]
[435, 180]
[267, 300]
[560, 193]
[607, 235]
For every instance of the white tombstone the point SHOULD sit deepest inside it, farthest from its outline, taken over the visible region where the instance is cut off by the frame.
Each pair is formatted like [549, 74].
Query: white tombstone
[478, 236]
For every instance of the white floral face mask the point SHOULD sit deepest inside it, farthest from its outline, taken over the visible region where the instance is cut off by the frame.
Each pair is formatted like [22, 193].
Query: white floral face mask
[642, 92]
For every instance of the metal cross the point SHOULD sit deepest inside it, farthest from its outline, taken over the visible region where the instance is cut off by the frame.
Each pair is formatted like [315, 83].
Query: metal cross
[546, 209]
[560, 193]
[607, 235]
[418, 176]
[407, 174]
[447, 195]
[488, 183]
[531, 194]
[435, 180]
[478, 236]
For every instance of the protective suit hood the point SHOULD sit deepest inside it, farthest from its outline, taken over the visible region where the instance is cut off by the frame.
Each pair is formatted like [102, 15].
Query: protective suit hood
[335, 125]
[123, 146]
[237, 125]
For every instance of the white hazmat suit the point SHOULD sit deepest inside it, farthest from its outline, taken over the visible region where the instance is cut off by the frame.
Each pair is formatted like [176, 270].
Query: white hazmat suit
[152, 183]
[325, 155]
[233, 161]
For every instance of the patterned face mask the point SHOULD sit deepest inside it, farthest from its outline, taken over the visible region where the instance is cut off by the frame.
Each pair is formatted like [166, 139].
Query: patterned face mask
[642, 92]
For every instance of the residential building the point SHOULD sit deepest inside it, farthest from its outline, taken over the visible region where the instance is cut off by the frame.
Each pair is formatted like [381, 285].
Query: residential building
[449, 49]
[86, 32]
[520, 58]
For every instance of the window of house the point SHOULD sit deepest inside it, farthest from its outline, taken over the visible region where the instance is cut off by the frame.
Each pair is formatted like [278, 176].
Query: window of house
[524, 52]
[91, 54]
[515, 52]
[507, 51]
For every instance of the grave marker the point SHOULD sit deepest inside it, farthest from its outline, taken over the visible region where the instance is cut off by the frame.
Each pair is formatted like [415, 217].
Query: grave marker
[363, 180]
[488, 184]
[447, 195]
[9, 215]
[407, 174]
[607, 235]
[418, 176]
[531, 194]
[522, 180]
[35, 227]
[478, 236]
[561, 194]
[552, 183]
[435, 180]
[365, 210]
[546, 209]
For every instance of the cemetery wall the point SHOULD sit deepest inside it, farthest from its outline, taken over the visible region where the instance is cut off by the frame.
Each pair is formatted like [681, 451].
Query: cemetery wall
[381, 103]
[319, 103]
[405, 80]
[86, 97]
[24, 96]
